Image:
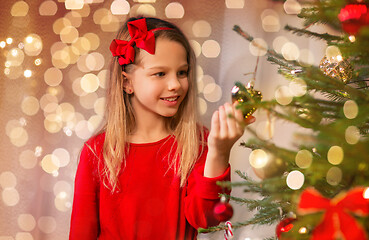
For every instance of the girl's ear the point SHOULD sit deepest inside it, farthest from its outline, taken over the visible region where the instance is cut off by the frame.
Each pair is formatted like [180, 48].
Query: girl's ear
[127, 83]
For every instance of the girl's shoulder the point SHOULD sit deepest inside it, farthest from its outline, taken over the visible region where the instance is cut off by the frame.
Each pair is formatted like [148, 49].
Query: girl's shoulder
[95, 144]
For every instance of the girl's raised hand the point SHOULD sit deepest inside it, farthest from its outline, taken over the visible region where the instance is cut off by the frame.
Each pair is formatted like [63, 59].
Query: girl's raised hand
[227, 126]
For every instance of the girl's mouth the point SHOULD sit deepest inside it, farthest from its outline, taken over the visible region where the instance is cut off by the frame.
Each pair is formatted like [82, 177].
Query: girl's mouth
[170, 99]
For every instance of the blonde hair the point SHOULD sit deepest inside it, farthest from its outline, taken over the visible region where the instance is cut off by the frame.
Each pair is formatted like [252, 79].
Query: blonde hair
[121, 120]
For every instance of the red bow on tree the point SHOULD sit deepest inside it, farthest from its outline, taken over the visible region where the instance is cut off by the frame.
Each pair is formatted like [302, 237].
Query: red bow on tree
[140, 37]
[337, 220]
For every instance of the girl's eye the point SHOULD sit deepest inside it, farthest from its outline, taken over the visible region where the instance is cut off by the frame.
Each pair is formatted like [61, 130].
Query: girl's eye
[183, 73]
[159, 74]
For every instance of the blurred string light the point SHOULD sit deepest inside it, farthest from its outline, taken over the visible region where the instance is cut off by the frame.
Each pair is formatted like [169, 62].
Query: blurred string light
[283, 95]
[366, 193]
[304, 158]
[38, 62]
[120, 7]
[235, 3]
[292, 7]
[27, 73]
[290, 51]
[48, 8]
[297, 87]
[352, 135]
[201, 28]
[270, 20]
[210, 49]
[33, 45]
[26, 222]
[334, 176]
[350, 109]
[258, 158]
[352, 38]
[28, 159]
[144, 9]
[174, 10]
[9, 40]
[295, 180]
[8, 182]
[74, 4]
[335, 155]
[19, 9]
[278, 43]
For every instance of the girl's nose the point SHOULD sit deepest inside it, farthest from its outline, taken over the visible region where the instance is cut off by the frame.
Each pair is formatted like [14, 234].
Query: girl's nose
[173, 83]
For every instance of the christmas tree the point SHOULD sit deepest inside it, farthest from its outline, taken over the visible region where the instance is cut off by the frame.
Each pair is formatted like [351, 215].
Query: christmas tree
[319, 189]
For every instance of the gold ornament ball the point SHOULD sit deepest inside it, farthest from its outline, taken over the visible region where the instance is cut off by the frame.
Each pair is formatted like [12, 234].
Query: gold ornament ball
[266, 165]
[246, 94]
[337, 67]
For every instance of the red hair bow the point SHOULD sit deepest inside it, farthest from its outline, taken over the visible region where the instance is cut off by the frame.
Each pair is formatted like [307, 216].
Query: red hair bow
[337, 219]
[139, 36]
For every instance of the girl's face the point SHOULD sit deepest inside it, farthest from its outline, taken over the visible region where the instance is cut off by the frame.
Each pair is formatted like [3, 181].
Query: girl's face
[159, 82]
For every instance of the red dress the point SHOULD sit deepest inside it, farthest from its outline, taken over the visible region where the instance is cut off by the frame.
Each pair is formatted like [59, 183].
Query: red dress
[150, 204]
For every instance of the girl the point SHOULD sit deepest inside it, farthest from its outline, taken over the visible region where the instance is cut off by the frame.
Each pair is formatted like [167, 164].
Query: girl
[150, 173]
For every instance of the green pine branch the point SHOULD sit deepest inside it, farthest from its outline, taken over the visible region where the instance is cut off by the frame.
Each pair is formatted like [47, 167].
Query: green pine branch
[321, 36]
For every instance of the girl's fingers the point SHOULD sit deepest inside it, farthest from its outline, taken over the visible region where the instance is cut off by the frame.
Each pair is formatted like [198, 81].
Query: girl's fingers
[223, 122]
[215, 125]
[249, 120]
[239, 118]
[231, 121]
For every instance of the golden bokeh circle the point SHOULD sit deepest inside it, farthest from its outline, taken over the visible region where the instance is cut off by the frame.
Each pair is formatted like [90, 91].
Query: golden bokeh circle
[30, 105]
[304, 158]
[28, 159]
[89, 83]
[210, 49]
[10, 196]
[174, 10]
[48, 8]
[53, 76]
[295, 180]
[19, 9]
[69, 34]
[26, 222]
[8, 180]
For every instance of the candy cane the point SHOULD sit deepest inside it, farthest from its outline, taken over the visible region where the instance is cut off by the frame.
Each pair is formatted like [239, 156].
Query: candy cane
[228, 233]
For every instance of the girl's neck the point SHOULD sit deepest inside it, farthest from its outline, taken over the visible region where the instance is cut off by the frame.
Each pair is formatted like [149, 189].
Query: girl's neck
[149, 131]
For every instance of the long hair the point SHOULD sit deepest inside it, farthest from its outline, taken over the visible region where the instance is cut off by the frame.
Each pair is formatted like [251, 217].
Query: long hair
[120, 118]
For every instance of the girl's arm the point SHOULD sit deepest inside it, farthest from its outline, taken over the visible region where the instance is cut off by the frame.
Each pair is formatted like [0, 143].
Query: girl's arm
[202, 190]
[202, 194]
[226, 129]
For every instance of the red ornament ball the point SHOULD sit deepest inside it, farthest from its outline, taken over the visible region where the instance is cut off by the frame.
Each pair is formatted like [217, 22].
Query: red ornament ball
[353, 17]
[284, 226]
[223, 211]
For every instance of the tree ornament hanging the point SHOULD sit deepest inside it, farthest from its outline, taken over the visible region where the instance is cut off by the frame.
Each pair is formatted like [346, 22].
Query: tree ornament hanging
[285, 225]
[337, 67]
[246, 94]
[223, 211]
[353, 17]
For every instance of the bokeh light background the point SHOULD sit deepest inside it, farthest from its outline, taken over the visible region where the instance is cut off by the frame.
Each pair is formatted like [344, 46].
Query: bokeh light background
[55, 63]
